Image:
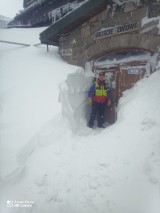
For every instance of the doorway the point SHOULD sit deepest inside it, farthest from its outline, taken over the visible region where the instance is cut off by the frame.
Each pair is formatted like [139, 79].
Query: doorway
[122, 71]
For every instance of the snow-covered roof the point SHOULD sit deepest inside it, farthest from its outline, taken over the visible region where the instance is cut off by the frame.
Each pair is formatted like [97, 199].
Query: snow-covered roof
[72, 20]
[120, 2]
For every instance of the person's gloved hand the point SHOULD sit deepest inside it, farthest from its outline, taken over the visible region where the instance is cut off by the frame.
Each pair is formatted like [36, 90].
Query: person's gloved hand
[109, 103]
[89, 101]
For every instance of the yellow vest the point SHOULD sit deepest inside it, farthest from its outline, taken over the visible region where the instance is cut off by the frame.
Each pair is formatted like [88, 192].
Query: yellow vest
[100, 91]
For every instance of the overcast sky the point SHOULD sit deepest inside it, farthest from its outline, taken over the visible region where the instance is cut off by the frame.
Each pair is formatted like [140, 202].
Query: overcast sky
[9, 8]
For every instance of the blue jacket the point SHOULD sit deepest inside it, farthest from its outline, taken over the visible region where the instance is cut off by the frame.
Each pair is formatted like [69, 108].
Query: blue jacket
[92, 92]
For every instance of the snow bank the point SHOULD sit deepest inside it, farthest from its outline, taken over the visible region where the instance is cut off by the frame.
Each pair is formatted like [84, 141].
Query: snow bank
[24, 81]
[73, 96]
[42, 160]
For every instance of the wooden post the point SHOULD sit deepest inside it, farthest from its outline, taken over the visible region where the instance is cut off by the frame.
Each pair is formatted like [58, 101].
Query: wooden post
[47, 48]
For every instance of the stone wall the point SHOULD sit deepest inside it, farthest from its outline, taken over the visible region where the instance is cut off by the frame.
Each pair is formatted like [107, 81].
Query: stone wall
[85, 47]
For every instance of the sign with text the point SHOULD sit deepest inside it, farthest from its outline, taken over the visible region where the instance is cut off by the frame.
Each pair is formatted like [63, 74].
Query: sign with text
[111, 31]
[133, 71]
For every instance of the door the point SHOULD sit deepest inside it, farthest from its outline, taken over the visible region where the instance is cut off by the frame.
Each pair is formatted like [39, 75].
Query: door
[112, 80]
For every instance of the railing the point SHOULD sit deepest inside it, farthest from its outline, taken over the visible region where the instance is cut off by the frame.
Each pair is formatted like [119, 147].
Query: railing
[16, 43]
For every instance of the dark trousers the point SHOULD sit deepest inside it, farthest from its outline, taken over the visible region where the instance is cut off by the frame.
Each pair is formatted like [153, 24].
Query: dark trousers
[97, 109]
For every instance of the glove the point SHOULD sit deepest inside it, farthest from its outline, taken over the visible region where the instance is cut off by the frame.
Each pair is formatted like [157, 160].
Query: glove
[109, 103]
[89, 101]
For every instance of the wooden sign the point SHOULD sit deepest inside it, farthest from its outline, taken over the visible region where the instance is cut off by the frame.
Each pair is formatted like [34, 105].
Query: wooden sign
[111, 31]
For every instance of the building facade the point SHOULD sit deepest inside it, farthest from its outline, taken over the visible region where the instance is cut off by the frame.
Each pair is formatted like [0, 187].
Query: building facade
[124, 28]
[115, 27]
[120, 37]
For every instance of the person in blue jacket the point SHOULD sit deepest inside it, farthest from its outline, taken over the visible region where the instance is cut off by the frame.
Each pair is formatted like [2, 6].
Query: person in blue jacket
[98, 96]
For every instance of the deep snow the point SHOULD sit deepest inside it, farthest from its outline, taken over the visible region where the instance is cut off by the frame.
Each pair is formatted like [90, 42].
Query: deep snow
[47, 159]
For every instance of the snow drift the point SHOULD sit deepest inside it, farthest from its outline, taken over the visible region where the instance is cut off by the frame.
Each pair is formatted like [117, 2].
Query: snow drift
[43, 161]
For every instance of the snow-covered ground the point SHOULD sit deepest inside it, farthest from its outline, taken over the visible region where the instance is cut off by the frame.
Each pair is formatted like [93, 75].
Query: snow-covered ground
[51, 167]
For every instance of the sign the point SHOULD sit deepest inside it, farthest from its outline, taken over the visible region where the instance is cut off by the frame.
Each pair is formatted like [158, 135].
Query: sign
[111, 31]
[66, 52]
[133, 71]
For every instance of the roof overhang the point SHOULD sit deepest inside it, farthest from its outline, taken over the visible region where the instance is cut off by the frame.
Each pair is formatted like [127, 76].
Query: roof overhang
[72, 20]
[28, 9]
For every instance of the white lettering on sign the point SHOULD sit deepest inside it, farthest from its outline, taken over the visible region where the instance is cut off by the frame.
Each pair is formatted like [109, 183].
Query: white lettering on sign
[133, 71]
[117, 30]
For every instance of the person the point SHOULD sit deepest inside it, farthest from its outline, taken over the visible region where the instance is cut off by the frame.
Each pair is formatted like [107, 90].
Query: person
[98, 96]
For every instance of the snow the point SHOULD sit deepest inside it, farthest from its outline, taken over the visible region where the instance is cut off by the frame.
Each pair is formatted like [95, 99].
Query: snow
[47, 154]
[4, 21]
[147, 20]
[3, 18]
[61, 12]
[121, 2]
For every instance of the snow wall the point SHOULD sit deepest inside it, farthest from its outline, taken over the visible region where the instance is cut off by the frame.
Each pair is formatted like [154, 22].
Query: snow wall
[74, 91]
[73, 97]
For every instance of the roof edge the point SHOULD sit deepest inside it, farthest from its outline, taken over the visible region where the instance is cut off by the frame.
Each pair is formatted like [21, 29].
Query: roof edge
[71, 21]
